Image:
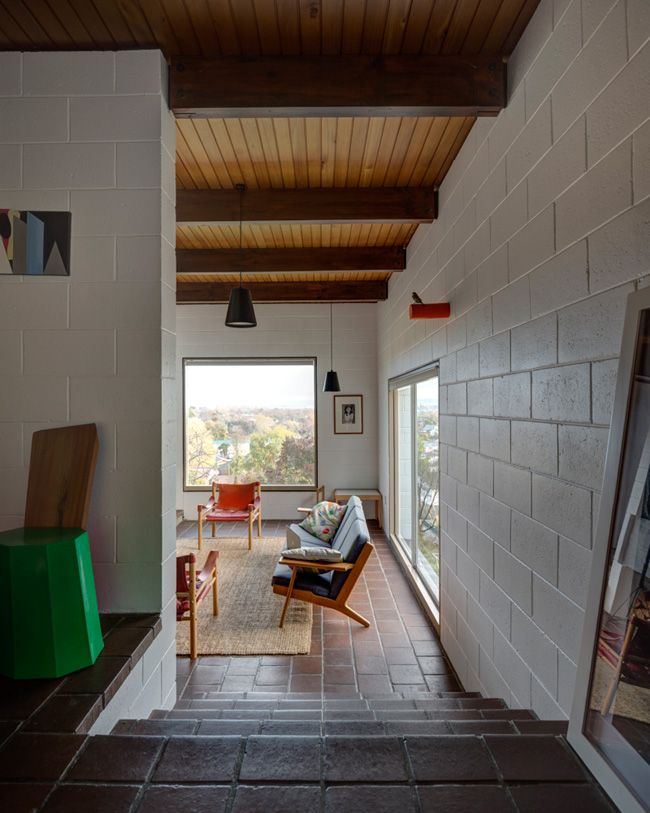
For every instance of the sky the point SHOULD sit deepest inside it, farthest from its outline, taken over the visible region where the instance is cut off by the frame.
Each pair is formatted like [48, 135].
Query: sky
[248, 385]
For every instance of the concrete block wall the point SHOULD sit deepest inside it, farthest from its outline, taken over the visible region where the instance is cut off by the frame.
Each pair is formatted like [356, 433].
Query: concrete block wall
[544, 230]
[344, 461]
[90, 133]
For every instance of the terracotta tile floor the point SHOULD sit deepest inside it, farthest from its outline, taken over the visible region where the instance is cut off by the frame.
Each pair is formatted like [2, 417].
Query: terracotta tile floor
[400, 651]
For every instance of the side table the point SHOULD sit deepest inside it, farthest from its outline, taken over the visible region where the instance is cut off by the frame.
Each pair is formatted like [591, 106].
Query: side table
[49, 623]
[367, 494]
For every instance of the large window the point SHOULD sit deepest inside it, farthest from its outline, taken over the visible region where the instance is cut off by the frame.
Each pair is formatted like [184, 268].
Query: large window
[416, 473]
[249, 419]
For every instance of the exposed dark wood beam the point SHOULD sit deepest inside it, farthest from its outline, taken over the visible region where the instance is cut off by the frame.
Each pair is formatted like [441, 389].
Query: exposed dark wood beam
[287, 260]
[359, 205]
[196, 292]
[338, 86]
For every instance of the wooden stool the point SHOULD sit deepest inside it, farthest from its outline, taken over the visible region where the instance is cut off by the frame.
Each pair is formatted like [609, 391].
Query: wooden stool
[367, 494]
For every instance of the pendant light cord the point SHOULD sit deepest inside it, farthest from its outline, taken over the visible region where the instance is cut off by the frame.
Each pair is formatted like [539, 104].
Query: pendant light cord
[240, 187]
[331, 337]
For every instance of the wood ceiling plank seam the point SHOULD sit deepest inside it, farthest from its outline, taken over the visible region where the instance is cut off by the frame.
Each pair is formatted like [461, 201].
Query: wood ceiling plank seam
[270, 149]
[200, 156]
[240, 148]
[268, 28]
[72, 22]
[417, 26]
[202, 33]
[328, 140]
[385, 149]
[442, 151]
[18, 22]
[357, 149]
[478, 28]
[423, 126]
[331, 27]
[227, 150]
[247, 32]
[463, 130]
[290, 27]
[503, 19]
[313, 142]
[342, 147]
[115, 22]
[137, 22]
[396, 21]
[224, 25]
[160, 26]
[58, 32]
[352, 32]
[374, 25]
[298, 139]
[438, 24]
[429, 153]
[310, 27]
[354, 234]
[336, 234]
[266, 238]
[459, 26]
[183, 178]
[213, 153]
[93, 23]
[183, 150]
[326, 235]
[283, 140]
[400, 151]
[373, 140]
[518, 26]
[256, 152]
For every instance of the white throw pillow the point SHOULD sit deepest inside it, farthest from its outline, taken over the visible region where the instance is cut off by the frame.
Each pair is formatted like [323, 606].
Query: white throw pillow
[313, 554]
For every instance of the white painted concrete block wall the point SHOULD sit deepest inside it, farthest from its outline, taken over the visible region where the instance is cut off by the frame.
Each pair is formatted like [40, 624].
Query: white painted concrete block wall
[344, 461]
[90, 133]
[544, 229]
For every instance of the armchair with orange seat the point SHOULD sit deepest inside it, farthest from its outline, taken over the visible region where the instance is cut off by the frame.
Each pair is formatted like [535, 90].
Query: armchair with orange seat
[192, 588]
[232, 502]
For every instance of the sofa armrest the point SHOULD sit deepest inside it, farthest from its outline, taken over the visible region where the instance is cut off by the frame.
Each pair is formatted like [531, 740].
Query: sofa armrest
[342, 567]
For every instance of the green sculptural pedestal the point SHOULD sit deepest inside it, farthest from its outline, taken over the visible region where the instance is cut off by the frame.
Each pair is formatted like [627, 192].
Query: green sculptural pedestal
[49, 624]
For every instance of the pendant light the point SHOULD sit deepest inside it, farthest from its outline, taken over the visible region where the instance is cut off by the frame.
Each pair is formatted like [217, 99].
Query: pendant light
[331, 383]
[240, 305]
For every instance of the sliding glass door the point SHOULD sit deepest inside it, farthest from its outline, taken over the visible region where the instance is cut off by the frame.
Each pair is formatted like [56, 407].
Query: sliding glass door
[416, 473]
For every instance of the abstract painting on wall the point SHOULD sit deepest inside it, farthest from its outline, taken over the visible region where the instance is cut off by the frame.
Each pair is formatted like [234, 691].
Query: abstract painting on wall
[35, 243]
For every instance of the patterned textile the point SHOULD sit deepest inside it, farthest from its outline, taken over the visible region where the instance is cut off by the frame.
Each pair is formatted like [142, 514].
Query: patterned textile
[324, 519]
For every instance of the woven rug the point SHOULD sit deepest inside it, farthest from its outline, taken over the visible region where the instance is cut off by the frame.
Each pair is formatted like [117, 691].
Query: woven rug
[249, 612]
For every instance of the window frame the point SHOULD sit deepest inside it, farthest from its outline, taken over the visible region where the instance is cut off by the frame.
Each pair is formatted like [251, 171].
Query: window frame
[206, 361]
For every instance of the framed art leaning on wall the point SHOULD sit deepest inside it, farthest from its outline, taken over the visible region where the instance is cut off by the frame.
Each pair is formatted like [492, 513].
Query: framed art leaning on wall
[610, 717]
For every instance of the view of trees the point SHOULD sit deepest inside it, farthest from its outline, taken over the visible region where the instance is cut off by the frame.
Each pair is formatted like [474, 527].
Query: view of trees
[274, 446]
[428, 485]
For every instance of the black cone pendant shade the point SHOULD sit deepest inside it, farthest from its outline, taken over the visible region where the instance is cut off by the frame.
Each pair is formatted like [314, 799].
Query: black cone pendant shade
[240, 304]
[331, 383]
[240, 309]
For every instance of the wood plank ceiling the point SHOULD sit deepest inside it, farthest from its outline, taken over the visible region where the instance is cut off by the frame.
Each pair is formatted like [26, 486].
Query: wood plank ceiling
[274, 152]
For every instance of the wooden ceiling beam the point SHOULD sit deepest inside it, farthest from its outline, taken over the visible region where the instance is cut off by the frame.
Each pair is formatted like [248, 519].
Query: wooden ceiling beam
[189, 293]
[358, 205]
[287, 260]
[442, 85]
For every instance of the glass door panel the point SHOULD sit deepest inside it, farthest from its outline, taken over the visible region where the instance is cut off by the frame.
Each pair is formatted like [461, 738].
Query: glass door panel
[427, 478]
[404, 465]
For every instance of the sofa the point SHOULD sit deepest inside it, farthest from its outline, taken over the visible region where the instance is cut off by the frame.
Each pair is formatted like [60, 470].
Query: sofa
[328, 584]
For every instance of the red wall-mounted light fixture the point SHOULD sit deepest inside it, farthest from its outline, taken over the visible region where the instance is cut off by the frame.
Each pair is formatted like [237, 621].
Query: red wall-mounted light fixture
[437, 310]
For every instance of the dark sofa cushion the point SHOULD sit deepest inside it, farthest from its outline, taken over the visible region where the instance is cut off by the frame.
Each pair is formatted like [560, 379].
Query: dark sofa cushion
[318, 583]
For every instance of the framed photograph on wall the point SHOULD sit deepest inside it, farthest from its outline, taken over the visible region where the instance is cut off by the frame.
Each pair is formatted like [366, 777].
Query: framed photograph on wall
[610, 716]
[348, 414]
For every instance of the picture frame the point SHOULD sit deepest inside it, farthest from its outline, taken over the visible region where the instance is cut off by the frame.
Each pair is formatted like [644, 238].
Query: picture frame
[348, 414]
[611, 702]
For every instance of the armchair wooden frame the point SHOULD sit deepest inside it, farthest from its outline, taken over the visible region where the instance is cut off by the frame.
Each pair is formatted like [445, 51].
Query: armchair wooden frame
[211, 513]
[340, 602]
[198, 586]
[320, 496]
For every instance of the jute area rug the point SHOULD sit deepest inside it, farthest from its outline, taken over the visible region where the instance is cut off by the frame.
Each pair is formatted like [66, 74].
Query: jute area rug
[249, 612]
[629, 700]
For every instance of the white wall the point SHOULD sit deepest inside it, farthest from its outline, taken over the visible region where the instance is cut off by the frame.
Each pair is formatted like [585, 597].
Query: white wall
[297, 330]
[90, 133]
[543, 231]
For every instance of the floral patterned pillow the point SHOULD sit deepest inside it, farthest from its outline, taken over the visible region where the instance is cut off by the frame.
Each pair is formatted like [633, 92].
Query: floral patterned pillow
[324, 519]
